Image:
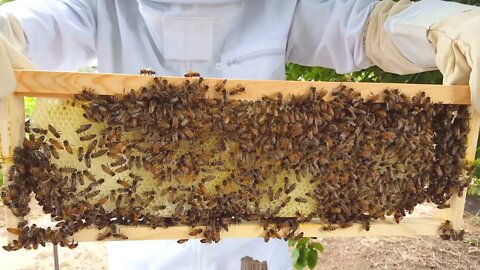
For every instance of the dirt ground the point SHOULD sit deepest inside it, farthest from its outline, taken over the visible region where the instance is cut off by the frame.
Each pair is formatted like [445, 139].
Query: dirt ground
[340, 253]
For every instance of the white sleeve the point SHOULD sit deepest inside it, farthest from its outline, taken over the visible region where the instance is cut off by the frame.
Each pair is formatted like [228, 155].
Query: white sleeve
[329, 33]
[60, 35]
[408, 29]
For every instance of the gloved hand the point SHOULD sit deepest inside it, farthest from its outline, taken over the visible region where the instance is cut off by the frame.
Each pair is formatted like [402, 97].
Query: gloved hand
[12, 43]
[405, 37]
[457, 40]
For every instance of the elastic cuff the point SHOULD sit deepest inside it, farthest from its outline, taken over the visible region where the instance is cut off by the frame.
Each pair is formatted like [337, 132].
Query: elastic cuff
[379, 47]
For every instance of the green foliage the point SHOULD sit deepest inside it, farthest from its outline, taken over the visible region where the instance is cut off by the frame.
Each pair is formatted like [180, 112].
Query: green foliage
[305, 253]
[468, 2]
[30, 103]
[374, 74]
[474, 188]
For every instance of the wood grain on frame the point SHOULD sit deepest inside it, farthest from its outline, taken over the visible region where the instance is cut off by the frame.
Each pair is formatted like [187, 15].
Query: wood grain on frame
[409, 226]
[12, 132]
[66, 84]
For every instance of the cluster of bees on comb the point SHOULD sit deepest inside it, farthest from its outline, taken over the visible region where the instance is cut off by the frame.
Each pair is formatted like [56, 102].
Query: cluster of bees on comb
[171, 154]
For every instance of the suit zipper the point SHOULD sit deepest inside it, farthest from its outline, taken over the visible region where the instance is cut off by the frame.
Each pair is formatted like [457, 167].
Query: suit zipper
[239, 59]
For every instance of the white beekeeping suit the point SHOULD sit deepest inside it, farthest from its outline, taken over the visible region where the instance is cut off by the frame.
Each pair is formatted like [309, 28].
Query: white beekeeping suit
[250, 39]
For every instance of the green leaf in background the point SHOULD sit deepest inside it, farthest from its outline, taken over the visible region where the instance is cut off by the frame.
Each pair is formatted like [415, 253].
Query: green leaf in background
[312, 258]
[302, 242]
[29, 106]
[316, 246]
[295, 255]
[291, 242]
[301, 262]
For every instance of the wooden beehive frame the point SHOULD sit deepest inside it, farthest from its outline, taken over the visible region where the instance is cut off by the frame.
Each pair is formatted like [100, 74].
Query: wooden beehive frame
[65, 85]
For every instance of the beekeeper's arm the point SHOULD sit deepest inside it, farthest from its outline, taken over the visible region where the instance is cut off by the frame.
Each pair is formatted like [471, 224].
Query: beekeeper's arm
[12, 48]
[63, 33]
[427, 35]
[400, 37]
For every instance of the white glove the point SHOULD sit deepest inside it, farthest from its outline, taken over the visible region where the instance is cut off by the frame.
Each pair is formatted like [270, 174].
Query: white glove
[458, 51]
[405, 37]
[12, 43]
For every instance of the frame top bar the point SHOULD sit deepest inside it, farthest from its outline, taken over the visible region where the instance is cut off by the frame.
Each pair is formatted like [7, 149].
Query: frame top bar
[66, 84]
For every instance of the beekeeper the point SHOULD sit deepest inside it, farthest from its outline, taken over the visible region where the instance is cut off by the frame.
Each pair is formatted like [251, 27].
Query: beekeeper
[235, 39]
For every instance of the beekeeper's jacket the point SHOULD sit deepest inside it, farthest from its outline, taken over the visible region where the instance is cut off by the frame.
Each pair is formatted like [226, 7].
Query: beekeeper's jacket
[251, 39]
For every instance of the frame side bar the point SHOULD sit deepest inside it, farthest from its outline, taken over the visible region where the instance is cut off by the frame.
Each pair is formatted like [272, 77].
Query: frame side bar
[457, 203]
[12, 133]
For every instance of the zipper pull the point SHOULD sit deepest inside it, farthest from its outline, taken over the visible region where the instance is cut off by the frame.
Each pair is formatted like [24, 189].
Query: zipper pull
[225, 63]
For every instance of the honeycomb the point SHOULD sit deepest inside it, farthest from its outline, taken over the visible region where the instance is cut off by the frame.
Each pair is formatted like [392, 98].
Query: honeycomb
[66, 116]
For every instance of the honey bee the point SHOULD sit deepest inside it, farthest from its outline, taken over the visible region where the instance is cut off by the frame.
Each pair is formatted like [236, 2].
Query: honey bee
[54, 131]
[68, 147]
[87, 137]
[195, 232]
[301, 200]
[121, 169]
[104, 236]
[89, 175]
[112, 195]
[329, 227]
[114, 155]
[120, 236]
[147, 71]
[91, 147]
[237, 90]
[192, 74]
[443, 206]
[96, 183]
[118, 162]
[181, 241]
[83, 128]
[56, 143]
[123, 183]
[346, 224]
[15, 231]
[366, 225]
[54, 152]
[9, 247]
[92, 194]
[72, 245]
[290, 188]
[107, 170]
[88, 161]
[80, 154]
[68, 170]
[39, 130]
[99, 153]
[101, 201]
[80, 178]
[220, 86]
